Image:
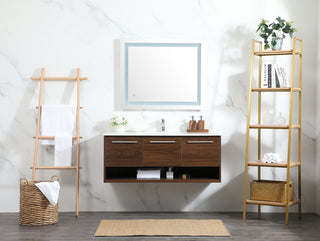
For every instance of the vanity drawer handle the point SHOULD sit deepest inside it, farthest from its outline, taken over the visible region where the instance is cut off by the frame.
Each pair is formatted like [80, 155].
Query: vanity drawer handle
[162, 142]
[124, 142]
[200, 142]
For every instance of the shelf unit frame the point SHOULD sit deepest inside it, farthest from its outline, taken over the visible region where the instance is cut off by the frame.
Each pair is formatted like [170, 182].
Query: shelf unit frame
[296, 50]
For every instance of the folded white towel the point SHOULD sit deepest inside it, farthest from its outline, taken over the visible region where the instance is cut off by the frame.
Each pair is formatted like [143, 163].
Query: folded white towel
[271, 158]
[63, 150]
[50, 190]
[57, 119]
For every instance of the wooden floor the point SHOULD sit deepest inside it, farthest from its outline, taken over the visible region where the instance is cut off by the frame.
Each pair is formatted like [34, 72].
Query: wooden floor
[269, 226]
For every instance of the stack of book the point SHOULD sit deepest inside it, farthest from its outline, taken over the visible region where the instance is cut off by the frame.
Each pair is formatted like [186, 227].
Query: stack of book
[149, 174]
[274, 76]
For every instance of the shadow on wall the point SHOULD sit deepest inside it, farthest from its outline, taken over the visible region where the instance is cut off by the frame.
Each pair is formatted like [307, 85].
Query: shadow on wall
[92, 174]
[17, 140]
[233, 64]
[17, 137]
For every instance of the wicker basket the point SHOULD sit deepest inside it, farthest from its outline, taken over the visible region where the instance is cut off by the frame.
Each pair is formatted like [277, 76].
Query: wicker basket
[35, 209]
[272, 191]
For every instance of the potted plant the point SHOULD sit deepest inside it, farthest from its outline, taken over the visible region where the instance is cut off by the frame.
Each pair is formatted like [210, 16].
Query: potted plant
[277, 30]
[119, 122]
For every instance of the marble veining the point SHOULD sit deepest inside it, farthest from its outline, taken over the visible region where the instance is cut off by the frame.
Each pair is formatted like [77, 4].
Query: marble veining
[63, 35]
[103, 18]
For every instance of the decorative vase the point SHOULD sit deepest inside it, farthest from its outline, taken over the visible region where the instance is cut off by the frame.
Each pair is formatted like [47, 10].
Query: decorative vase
[268, 118]
[281, 120]
[276, 43]
[119, 129]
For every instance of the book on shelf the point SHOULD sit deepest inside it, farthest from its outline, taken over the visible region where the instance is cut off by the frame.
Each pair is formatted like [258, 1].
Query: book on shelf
[149, 174]
[274, 76]
[264, 83]
[281, 71]
[277, 78]
[269, 75]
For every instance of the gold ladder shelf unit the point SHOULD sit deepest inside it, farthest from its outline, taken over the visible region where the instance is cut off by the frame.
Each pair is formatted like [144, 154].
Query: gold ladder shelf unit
[258, 163]
[77, 137]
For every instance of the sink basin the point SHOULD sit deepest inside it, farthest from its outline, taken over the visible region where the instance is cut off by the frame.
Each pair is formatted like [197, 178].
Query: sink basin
[156, 133]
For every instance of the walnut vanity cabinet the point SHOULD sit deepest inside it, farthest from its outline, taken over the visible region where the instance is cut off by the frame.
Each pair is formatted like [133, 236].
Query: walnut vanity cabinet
[196, 157]
[204, 151]
[123, 151]
[162, 151]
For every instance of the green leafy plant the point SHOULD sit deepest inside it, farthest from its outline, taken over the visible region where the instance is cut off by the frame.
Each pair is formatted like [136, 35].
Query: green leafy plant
[277, 29]
[119, 121]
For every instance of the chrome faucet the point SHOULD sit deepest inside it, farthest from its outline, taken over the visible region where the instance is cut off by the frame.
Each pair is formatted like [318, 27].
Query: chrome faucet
[163, 127]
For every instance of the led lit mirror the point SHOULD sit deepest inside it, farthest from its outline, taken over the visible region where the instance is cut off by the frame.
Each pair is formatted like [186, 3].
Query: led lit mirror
[161, 74]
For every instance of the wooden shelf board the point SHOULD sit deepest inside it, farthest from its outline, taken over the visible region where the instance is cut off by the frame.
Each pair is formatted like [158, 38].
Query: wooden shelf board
[163, 180]
[273, 126]
[281, 164]
[278, 52]
[279, 204]
[288, 89]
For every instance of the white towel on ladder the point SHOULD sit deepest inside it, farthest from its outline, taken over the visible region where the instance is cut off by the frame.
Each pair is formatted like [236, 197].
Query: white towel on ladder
[63, 150]
[59, 121]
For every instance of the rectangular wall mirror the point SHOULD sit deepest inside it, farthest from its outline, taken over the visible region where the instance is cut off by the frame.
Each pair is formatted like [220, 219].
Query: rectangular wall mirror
[167, 75]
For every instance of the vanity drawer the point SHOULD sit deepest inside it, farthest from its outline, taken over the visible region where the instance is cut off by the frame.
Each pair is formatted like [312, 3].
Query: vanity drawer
[162, 151]
[201, 151]
[123, 151]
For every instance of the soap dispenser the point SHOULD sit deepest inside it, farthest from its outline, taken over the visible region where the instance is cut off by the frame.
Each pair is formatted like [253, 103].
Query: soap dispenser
[192, 124]
[170, 173]
[201, 124]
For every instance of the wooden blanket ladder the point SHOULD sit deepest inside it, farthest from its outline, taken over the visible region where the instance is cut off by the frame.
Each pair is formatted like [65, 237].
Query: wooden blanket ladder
[77, 137]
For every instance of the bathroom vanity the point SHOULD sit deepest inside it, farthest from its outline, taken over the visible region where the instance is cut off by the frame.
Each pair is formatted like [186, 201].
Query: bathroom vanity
[192, 157]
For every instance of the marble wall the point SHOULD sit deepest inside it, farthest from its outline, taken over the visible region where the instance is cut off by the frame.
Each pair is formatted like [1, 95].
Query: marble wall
[317, 127]
[63, 35]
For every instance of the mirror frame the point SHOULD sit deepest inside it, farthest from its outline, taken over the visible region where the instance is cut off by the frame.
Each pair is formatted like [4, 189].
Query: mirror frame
[123, 80]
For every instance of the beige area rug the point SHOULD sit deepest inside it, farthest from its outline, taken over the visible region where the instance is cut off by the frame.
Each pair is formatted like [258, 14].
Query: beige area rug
[162, 227]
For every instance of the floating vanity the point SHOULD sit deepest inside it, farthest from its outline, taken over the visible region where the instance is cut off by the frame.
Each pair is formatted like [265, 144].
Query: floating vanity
[192, 157]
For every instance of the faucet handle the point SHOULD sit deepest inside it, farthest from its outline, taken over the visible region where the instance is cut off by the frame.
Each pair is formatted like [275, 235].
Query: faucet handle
[162, 125]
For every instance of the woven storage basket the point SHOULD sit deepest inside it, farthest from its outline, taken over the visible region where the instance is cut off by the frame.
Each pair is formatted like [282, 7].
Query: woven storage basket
[35, 208]
[272, 191]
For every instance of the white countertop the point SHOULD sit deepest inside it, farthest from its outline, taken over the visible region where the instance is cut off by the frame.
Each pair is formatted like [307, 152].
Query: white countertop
[127, 133]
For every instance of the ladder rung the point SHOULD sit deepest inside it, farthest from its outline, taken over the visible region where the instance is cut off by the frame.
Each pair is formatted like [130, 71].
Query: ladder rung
[52, 137]
[56, 167]
[37, 107]
[59, 78]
